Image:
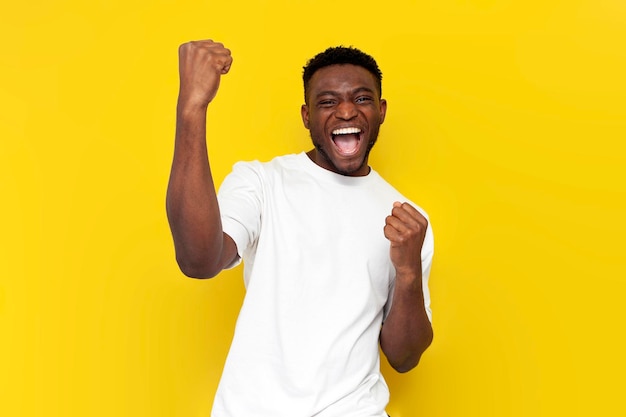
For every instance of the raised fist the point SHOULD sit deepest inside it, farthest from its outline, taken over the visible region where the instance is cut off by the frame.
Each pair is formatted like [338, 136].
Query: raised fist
[201, 65]
[406, 230]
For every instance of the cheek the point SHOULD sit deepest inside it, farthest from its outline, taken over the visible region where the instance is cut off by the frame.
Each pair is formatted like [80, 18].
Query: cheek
[317, 124]
[317, 134]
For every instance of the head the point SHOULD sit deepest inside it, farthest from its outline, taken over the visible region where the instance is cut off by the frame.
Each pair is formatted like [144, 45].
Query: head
[343, 108]
[338, 55]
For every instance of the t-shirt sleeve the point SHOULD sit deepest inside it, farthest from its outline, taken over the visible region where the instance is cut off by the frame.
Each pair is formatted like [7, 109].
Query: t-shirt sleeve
[240, 200]
[427, 261]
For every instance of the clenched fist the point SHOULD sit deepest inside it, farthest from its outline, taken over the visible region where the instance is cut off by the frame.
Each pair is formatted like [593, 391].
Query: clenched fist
[201, 65]
[405, 229]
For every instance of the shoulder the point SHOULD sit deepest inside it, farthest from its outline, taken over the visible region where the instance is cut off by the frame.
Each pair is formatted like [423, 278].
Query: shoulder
[261, 175]
[278, 163]
[390, 192]
[386, 187]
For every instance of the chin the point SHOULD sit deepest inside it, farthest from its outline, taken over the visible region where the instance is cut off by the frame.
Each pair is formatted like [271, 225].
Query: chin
[342, 166]
[352, 167]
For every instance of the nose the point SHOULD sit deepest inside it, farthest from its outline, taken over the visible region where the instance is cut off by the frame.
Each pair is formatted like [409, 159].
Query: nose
[346, 110]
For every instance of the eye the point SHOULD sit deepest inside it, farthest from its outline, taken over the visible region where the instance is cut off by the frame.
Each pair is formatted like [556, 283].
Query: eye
[326, 103]
[364, 100]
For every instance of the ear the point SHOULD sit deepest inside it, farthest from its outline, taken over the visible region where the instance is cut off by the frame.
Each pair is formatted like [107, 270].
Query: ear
[304, 112]
[383, 110]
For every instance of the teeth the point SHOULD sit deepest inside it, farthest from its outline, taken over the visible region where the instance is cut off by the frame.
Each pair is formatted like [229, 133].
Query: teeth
[346, 131]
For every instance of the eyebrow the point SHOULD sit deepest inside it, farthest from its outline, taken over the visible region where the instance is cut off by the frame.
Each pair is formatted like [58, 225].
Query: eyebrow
[336, 93]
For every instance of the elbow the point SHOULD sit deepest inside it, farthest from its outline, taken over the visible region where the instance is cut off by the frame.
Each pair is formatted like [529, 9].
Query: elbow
[409, 359]
[406, 365]
[197, 269]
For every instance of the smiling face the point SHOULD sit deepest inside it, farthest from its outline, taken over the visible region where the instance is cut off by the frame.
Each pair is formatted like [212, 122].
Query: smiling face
[343, 113]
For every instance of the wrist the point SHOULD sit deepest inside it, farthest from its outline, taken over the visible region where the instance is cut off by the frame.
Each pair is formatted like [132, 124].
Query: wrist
[409, 277]
[190, 108]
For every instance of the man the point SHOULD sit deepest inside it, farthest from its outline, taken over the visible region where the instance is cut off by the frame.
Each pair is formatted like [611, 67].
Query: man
[331, 250]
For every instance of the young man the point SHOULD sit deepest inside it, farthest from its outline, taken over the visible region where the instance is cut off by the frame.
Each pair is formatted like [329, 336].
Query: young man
[336, 260]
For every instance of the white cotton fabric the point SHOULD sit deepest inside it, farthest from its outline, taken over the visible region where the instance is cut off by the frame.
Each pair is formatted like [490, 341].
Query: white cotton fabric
[318, 284]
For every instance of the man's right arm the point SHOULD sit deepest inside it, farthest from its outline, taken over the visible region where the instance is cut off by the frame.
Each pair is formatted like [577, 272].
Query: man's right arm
[202, 248]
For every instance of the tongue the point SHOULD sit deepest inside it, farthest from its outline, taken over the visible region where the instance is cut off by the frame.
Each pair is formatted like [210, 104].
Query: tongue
[346, 143]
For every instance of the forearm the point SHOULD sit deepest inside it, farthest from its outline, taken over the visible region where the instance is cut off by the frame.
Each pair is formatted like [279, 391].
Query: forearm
[407, 331]
[192, 207]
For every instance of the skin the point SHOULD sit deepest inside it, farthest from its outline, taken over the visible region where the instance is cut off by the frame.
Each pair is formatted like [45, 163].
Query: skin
[202, 248]
[343, 96]
[407, 332]
[339, 96]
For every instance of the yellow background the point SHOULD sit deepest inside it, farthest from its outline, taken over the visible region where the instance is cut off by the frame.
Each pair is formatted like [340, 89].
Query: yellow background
[506, 122]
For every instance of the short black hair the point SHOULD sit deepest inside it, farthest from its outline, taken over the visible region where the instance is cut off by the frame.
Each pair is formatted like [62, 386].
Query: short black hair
[338, 55]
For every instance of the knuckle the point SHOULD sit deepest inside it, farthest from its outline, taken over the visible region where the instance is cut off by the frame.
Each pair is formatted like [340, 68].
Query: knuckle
[183, 48]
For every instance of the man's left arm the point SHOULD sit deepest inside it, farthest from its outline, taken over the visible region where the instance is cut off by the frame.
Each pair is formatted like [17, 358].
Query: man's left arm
[407, 331]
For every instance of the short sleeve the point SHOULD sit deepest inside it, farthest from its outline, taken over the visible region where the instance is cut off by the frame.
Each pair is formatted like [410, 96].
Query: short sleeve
[427, 261]
[240, 199]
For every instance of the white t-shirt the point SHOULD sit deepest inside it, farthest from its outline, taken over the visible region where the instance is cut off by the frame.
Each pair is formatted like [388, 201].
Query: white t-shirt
[318, 284]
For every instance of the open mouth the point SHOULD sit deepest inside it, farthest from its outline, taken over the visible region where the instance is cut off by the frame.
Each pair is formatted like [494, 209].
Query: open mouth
[346, 140]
